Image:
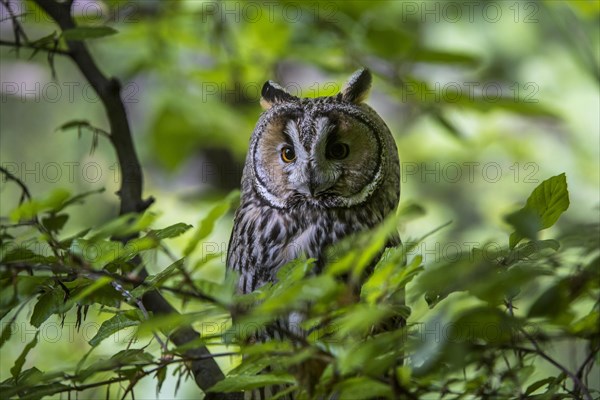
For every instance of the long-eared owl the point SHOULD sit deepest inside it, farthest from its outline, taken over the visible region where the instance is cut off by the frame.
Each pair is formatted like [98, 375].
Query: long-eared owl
[317, 170]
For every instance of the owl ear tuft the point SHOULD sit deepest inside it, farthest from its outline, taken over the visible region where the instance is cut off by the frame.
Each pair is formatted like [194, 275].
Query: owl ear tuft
[357, 88]
[272, 93]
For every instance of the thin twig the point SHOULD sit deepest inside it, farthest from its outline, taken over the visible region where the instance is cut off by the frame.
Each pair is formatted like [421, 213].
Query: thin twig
[86, 271]
[34, 46]
[18, 30]
[586, 362]
[576, 381]
[160, 365]
[138, 302]
[25, 193]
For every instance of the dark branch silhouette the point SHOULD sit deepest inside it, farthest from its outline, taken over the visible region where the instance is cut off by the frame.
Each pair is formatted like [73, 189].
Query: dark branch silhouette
[206, 371]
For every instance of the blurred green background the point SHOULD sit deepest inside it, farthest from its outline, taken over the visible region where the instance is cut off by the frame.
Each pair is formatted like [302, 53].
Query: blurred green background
[485, 100]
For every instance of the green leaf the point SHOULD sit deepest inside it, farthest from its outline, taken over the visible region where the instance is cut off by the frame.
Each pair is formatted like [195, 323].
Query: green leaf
[360, 318]
[168, 322]
[525, 372]
[445, 57]
[363, 387]
[171, 231]
[76, 123]
[56, 199]
[248, 382]
[88, 32]
[45, 39]
[96, 252]
[403, 375]
[478, 273]
[374, 355]
[98, 292]
[92, 288]
[123, 362]
[26, 379]
[411, 210]
[538, 384]
[6, 332]
[357, 252]
[55, 223]
[526, 223]
[208, 222]
[284, 297]
[115, 324]
[49, 303]
[31, 208]
[543, 208]
[16, 369]
[377, 242]
[78, 199]
[523, 251]
[102, 252]
[28, 286]
[23, 254]
[41, 391]
[69, 240]
[558, 298]
[222, 293]
[484, 323]
[124, 225]
[294, 270]
[160, 376]
[391, 275]
[136, 246]
[132, 356]
[588, 326]
[154, 281]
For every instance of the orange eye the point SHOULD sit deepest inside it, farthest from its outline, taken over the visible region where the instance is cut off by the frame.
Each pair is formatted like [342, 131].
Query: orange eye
[287, 154]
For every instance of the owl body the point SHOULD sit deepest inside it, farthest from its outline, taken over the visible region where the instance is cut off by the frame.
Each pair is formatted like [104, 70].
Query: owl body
[317, 170]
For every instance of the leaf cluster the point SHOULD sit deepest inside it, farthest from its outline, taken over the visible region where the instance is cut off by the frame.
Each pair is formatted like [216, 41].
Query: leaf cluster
[476, 323]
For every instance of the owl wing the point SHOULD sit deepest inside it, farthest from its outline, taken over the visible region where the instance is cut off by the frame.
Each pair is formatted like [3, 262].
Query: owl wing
[251, 254]
[394, 240]
[238, 256]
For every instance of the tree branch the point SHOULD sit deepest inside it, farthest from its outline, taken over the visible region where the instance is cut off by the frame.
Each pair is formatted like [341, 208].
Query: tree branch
[18, 30]
[108, 90]
[25, 194]
[206, 371]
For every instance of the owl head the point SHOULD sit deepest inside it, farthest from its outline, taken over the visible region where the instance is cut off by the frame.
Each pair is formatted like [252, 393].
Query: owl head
[327, 152]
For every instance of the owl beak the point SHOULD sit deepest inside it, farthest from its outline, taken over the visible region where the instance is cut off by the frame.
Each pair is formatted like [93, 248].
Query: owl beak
[314, 188]
[318, 188]
[314, 184]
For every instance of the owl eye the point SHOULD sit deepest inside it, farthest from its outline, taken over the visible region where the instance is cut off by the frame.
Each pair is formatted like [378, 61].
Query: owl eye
[287, 154]
[337, 150]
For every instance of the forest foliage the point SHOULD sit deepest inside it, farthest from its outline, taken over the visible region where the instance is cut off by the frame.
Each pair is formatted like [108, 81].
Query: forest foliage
[487, 321]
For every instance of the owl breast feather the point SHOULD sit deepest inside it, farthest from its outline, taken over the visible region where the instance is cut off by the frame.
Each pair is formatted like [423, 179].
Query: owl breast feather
[267, 238]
